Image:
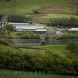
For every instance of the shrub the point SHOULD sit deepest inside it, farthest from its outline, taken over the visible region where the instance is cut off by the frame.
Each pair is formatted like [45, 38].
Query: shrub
[28, 35]
[36, 11]
[10, 28]
[19, 18]
[72, 48]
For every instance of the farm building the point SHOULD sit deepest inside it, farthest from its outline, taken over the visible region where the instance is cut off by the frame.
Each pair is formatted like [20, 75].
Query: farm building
[73, 29]
[38, 28]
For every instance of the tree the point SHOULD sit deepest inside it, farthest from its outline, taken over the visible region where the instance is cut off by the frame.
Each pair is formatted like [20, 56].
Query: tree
[72, 48]
[9, 28]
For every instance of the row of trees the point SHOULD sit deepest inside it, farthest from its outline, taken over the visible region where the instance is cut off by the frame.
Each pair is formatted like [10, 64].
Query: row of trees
[41, 61]
[63, 22]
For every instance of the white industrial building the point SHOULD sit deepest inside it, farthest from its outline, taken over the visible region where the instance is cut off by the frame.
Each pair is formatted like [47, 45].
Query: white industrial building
[29, 27]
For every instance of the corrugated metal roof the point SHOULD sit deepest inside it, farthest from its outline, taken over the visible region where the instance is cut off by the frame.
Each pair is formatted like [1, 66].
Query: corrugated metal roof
[27, 26]
[73, 29]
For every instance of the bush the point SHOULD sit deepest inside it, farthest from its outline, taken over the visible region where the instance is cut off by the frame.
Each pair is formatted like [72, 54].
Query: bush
[28, 35]
[9, 28]
[72, 48]
[36, 11]
[19, 18]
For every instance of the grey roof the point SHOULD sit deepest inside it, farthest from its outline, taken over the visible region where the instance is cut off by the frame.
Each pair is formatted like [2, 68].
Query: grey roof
[73, 29]
[27, 26]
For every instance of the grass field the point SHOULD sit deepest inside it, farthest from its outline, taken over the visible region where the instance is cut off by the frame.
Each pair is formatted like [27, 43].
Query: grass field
[24, 6]
[56, 49]
[21, 74]
[27, 6]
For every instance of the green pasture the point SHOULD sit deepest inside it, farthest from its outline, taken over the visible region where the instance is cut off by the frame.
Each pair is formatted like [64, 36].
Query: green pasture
[25, 6]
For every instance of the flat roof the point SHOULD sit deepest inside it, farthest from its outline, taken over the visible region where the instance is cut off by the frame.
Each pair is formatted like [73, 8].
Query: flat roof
[27, 26]
[73, 29]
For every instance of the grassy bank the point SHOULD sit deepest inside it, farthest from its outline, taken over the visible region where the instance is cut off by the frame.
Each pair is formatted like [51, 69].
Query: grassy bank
[19, 74]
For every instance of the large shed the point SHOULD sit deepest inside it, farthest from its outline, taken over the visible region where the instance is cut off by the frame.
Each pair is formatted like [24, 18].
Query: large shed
[29, 27]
